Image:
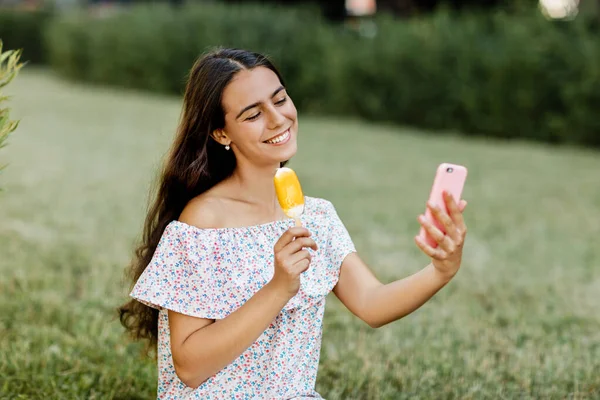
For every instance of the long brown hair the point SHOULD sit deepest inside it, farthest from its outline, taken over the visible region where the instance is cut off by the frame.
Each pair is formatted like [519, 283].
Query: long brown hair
[195, 164]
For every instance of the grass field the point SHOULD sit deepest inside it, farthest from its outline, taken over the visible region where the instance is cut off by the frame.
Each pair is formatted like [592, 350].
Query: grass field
[521, 319]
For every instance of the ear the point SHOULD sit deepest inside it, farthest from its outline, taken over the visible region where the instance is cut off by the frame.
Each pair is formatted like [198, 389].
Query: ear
[221, 137]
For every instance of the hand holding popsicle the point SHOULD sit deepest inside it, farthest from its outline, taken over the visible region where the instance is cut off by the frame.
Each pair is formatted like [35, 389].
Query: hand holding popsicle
[289, 193]
[292, 257]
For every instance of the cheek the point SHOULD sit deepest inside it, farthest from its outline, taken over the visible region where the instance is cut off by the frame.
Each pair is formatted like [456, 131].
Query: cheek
[291, 111]
[250, 132]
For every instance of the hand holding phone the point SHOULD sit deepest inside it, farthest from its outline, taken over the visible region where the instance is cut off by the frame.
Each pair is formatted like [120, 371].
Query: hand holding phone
[449, 178]
[443, 228]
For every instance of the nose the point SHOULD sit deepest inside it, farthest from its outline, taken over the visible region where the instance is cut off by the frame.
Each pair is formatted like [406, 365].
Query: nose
[276, 119]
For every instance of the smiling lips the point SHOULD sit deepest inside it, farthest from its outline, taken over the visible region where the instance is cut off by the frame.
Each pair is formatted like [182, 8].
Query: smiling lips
[282, 137]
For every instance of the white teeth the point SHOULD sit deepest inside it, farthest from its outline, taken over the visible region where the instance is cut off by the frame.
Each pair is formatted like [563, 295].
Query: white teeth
[279, 138]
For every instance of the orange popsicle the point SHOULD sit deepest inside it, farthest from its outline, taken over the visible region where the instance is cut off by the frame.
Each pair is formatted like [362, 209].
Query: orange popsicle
[289, 193]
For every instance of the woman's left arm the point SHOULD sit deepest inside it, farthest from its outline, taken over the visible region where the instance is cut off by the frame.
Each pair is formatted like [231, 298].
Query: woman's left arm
[378, 304]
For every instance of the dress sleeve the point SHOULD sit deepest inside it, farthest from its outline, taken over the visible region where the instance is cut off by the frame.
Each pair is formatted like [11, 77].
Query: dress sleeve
[185, 276]
[334, 243]
[341, 243]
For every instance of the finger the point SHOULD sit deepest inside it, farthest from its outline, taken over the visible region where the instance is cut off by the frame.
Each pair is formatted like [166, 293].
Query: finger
[302, 266]
[444, 241]
[456, 213]
[462, 205]
[299, 256]
[433, 231]
[447, 244]
[289, 236]
[442, 216]
[299, 244]
[436, 253]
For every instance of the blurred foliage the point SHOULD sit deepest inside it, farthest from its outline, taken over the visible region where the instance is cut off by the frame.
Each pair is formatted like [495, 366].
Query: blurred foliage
[498, 74]
[335, 10]
[24, 30]
[154, 47]
[9, 67]
[502, 74]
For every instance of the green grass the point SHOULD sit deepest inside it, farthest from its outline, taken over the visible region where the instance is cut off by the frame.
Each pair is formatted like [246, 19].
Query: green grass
[521, 319]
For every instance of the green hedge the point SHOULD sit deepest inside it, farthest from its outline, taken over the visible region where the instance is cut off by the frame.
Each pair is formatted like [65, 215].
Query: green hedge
[154, 47]
[499, 75]
[24, 30]
[488, 74]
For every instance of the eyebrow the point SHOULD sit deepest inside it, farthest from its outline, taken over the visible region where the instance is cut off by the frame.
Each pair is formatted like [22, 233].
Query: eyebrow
[279, 89]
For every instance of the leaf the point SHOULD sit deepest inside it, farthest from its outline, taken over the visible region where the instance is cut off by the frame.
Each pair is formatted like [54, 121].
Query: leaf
[5, 55]
[9, 71]
[3, 121]
[9, 128]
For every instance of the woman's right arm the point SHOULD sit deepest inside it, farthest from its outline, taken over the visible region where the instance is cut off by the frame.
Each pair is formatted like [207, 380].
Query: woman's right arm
[202, 347]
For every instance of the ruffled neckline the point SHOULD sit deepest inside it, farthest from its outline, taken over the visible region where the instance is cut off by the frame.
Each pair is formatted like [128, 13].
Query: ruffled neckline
[258, 227]
[234, 228]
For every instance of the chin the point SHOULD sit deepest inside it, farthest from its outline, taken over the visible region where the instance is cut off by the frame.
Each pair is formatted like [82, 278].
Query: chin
[288, 152]
[282, 152]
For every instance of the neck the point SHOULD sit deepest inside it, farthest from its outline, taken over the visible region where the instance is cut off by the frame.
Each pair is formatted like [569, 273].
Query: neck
[256, 184]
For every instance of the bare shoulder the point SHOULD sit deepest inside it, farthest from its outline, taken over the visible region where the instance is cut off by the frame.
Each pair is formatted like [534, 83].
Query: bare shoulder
[204, 211]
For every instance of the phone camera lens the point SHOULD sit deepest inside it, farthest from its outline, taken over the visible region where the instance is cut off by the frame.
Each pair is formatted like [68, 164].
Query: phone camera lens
[449, 169]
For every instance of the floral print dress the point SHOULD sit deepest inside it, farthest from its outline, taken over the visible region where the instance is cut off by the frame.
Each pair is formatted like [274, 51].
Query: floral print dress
[210, 273]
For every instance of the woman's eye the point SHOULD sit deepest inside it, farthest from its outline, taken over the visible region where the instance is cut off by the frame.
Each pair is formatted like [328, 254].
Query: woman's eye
[253, 117]
[281, 101]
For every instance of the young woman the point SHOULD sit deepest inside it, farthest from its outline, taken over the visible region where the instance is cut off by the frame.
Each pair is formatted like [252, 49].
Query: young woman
[230, 290]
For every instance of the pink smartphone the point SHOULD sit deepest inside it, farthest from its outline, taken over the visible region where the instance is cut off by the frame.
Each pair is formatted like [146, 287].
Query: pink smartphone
[450, 178]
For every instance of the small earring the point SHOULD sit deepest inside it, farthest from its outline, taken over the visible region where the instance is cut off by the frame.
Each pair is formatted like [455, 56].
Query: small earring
[227, 147]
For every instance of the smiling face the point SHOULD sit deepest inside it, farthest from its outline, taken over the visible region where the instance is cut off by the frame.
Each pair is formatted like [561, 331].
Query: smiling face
[261, 122]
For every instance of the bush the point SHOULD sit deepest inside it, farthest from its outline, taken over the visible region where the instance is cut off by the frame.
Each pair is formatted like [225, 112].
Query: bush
[500, 75]
[496, 74]
[24, 30]
[154, 47]
[9, 68]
